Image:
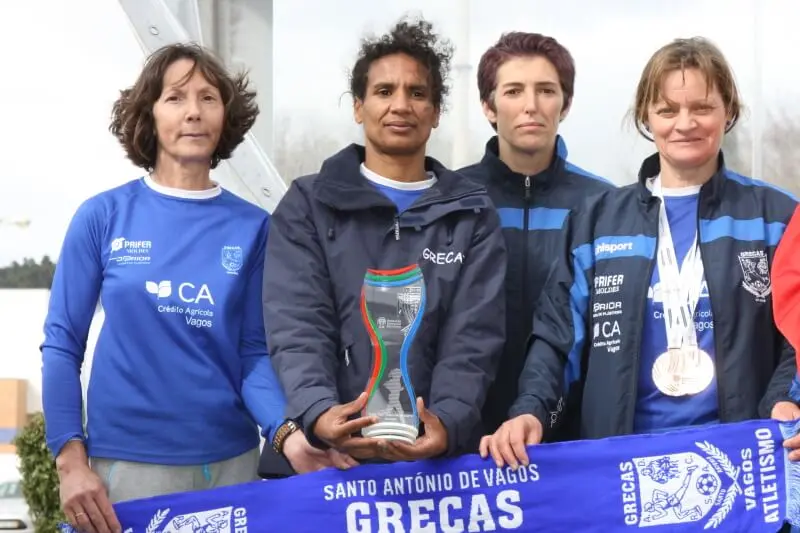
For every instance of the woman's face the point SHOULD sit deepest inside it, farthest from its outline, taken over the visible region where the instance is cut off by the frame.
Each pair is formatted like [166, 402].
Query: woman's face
[189, 115]
[688, 120]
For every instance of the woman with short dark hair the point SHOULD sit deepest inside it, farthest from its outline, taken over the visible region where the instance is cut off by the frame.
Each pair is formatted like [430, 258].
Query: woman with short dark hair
[181, 377]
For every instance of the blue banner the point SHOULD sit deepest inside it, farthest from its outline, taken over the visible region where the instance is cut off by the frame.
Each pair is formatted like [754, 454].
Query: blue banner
[732, 477]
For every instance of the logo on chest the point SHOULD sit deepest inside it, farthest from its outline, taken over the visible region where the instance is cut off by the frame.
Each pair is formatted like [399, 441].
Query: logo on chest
[755, 273]
[129, 252]
[232, 259]
[442, 258]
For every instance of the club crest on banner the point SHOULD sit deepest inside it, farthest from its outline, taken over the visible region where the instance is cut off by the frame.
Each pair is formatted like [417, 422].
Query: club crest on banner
[755, 270]
[213, 521]
[681, 488]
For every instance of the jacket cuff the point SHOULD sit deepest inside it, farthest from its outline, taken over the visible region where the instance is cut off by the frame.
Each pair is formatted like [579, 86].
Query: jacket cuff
[529, 406]
[309, 419]
[458, 428]
[269, 433]
[794, 391]
[57, 444]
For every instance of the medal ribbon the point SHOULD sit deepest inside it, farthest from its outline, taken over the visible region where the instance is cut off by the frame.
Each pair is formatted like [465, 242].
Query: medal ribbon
[680, 289]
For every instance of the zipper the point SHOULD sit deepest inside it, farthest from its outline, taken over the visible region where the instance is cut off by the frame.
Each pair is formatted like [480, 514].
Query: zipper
[637, 353]
[397, 227]
[717, 351]
[525, 232]
[347, 356]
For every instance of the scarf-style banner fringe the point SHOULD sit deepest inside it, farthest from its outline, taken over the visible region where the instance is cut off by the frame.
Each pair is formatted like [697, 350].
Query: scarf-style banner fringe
[725, 478]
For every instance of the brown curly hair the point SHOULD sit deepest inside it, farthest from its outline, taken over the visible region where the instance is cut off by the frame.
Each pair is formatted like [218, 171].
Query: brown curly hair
[132, 121]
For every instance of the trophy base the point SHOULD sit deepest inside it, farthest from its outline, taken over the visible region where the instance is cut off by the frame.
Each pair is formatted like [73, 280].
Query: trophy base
[391, 431]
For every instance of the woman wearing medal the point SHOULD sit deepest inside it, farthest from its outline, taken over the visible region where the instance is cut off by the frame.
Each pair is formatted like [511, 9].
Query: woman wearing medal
[657, 314]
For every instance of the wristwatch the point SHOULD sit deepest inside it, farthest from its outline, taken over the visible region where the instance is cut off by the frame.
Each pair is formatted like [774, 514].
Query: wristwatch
[287, 428]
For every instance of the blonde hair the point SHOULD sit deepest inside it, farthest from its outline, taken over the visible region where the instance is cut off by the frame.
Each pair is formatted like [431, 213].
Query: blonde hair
[681, 54]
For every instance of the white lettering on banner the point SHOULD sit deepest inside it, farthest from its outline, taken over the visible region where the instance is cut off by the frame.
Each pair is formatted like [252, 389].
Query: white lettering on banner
[701, 484]
[763, 470]
[188, 293]
[451, 513]
[442, 258]
[435, 508]
[240, 520]
[612, 248]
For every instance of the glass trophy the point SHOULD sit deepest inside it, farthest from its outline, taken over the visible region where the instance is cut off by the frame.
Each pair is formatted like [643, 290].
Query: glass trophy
[392, 306]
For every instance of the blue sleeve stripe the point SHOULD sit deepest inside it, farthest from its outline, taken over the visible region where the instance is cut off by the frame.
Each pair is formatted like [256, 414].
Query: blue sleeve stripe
[750, 182]
[539, 218]
[586, 174]
[579, 302]
[755, 229]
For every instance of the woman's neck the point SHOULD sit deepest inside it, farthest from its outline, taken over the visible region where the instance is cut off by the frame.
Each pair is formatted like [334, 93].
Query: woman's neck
[676, 178]
[177, 175]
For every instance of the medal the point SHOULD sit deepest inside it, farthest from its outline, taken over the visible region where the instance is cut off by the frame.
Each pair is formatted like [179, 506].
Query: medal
[683, 371]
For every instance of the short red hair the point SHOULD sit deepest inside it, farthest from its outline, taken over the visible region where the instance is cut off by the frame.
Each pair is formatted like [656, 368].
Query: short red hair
[521, 44]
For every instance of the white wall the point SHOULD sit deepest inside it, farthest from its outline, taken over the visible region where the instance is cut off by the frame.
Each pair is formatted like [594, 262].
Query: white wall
[22, 315]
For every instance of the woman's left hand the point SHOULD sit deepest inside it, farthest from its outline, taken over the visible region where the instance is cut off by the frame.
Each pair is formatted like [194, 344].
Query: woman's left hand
[787, 412]
[306, 458]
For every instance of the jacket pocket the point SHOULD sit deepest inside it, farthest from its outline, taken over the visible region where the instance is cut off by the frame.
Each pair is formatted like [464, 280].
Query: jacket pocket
[353, 369]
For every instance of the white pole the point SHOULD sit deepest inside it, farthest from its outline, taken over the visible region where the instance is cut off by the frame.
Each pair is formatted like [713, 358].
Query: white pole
[461, 84]
[757, 170]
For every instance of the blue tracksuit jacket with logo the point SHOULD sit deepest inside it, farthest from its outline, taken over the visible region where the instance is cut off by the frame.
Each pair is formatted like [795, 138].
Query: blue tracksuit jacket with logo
[613, 240]
[532, 212]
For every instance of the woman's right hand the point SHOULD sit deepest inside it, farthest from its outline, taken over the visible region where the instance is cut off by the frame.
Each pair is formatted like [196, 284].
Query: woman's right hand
[84, 498]
[507, 445]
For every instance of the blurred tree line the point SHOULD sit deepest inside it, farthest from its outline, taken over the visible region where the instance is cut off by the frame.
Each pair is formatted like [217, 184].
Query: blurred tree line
[300, 150]
[780, 158]
[29, 274]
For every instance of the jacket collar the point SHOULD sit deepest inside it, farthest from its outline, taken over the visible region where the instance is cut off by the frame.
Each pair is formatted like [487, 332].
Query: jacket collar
[499, 171]
[340, 184]
[710, 192]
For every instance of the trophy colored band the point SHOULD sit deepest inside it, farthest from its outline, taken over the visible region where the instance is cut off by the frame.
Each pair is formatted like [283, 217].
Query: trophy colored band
[392, 306]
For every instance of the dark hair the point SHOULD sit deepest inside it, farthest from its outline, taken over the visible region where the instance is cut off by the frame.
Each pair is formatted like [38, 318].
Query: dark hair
[521, 44]
[681, 54]
[132, 121]
[415, 39]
